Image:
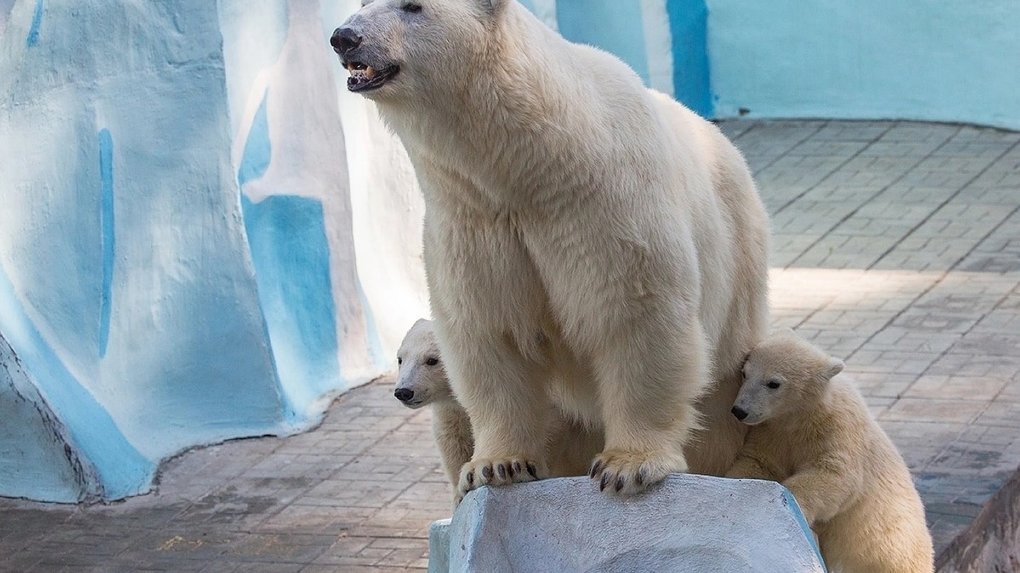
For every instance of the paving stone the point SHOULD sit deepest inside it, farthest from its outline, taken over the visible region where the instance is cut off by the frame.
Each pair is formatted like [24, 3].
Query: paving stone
[934, 410]
[970, 388]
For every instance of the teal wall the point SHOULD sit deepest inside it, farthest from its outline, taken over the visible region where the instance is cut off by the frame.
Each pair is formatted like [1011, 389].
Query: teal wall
[938, 60]
[663, 40]
[942, 60]
[609, 24]
[688, 25]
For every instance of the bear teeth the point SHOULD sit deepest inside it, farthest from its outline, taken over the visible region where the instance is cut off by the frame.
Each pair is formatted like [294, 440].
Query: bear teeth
[362, 72]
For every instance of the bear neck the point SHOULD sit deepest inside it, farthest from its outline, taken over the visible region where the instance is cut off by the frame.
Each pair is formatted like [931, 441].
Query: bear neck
[505, 121]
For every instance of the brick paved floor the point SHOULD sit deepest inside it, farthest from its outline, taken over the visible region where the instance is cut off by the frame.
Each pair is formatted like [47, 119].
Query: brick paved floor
[897, 247]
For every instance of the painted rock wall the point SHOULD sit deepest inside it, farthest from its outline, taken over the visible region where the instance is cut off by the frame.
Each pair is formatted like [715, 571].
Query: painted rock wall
[202, 234]
[179, 262]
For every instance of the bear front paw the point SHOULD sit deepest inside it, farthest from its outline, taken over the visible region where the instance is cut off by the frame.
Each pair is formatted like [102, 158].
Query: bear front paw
[626, 473]
[477, 473]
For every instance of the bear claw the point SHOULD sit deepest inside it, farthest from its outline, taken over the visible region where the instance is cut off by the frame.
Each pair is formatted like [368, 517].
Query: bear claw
[477, 473]
[626, 473]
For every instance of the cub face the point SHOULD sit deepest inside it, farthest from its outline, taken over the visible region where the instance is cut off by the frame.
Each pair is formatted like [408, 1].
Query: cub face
[421, 378]
[783, 375]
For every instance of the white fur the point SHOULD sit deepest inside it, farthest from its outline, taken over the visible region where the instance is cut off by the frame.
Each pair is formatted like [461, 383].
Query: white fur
[451, 427]
[420, 367]
[814, 434]
[420, 370]
[589, 244]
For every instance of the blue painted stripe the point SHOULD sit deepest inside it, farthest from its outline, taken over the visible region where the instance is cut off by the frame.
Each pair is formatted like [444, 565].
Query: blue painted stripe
[106, 225]
[257, 148]
[688, 24]
[33, 32]
[290, 253]
[122, 470]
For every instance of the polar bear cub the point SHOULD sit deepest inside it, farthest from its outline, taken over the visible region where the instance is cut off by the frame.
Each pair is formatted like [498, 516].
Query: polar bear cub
[813, 432]
[422, 381]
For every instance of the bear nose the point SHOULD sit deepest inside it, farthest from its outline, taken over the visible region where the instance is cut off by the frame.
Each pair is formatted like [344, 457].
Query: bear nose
[403, 394]
[739, 413]
[344, 40]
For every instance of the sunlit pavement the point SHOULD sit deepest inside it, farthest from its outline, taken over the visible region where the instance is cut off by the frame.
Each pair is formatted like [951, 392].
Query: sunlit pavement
[896, 247]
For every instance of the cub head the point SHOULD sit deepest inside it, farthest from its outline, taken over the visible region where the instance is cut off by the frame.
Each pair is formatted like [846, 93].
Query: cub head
[784, 374]
[403, 49]
[421, 379]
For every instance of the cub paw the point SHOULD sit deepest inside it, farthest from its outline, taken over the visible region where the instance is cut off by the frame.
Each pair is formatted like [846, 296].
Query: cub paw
[477, 473]
[626, 473]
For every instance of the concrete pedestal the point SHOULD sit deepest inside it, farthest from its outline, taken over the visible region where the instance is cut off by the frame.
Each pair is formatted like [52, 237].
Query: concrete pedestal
[687, 523]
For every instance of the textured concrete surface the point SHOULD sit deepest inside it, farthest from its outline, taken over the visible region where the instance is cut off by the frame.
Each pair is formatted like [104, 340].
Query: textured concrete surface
[248, 227]
[687, 523]
[897, 247]
[992, 541]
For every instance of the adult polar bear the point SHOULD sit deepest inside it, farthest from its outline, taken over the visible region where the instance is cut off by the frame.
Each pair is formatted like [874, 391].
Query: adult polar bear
[587, 241]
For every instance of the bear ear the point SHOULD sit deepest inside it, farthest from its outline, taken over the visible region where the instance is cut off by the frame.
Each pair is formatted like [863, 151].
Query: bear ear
[834, 367]
[494, 6]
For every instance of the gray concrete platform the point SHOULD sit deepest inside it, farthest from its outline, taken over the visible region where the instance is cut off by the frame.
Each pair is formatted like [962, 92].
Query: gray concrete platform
[685, 523]
[897, 248]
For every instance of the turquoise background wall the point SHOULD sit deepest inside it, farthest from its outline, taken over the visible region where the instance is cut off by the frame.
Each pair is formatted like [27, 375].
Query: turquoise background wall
[942, 60]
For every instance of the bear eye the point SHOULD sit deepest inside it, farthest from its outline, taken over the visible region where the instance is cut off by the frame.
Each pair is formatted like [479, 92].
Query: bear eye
[399, 361]
[431, 361]
[411, 8]
[773, 384]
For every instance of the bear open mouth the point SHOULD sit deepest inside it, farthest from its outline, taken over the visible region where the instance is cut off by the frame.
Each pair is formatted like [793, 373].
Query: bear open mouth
[365, 77]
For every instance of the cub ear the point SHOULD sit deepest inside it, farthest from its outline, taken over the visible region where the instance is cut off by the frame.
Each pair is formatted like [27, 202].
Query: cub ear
[834, 367]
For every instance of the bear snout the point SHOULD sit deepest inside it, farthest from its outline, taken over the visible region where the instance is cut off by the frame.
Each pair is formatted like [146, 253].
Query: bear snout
[404, 394]
[739, 412]
[345, 39]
